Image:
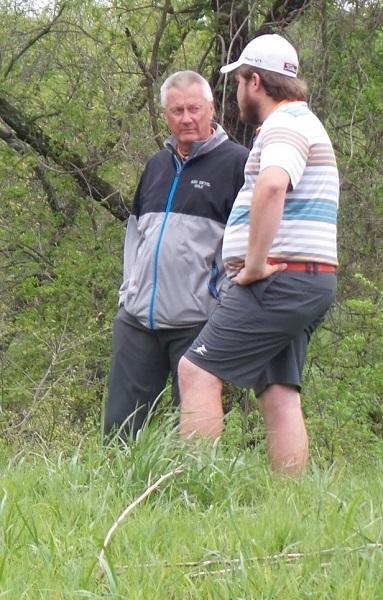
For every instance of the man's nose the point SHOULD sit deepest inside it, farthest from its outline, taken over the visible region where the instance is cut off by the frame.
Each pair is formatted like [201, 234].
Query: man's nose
[186, 116]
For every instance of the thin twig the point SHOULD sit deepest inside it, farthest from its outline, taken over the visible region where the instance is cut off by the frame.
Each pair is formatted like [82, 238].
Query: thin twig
[246, 19]
[128, 509]
[285, 557]
[39, 396]
[32, 41]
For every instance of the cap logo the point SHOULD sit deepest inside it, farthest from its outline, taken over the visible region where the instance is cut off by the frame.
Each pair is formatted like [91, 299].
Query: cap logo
[290, 67]
[252, 59]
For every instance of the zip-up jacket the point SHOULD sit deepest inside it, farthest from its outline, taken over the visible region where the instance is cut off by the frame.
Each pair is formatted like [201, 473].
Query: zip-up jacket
[172, 257]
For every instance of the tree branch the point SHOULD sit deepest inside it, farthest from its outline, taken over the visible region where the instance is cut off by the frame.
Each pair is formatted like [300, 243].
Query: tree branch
[282, 13]
[33, 41]
[88, 182]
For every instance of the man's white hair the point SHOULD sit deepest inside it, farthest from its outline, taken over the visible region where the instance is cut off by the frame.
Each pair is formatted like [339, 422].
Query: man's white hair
[183, 79]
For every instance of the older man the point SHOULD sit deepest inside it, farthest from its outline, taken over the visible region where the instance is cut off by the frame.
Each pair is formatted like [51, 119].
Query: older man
[279, 250]
[173, 268]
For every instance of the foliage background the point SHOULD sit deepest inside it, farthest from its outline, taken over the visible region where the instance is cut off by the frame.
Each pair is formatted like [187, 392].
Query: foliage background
[79, 115]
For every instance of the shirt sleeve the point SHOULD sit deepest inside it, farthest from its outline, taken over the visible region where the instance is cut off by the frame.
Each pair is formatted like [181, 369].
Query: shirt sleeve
[285, 148]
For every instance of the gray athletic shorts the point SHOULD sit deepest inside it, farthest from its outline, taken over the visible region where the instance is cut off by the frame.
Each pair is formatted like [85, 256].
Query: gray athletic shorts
[258, 334]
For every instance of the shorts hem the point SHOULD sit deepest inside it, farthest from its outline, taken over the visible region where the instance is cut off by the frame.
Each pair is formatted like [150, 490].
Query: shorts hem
[258, 389]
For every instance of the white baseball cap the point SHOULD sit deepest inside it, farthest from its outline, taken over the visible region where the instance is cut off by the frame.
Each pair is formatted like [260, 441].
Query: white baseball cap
[270, 52]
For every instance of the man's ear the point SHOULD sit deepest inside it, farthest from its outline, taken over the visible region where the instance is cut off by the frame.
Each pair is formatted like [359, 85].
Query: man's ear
[256, 81]
[165, 118]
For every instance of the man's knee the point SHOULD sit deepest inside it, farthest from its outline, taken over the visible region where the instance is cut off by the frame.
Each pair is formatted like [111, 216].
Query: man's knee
[190, 374]
[278, 400]
[187, 372]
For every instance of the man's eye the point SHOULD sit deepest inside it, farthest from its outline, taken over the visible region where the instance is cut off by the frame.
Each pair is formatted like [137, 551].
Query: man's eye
[194, 109]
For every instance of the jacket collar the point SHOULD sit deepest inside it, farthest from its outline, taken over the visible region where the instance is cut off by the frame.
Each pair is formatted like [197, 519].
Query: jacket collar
[200, 147]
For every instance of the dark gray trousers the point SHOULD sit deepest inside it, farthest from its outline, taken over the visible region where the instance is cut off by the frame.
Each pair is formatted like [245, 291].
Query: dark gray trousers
[142, 360]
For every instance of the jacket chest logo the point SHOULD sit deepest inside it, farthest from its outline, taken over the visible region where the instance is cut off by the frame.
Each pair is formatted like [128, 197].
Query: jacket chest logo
[199, 184]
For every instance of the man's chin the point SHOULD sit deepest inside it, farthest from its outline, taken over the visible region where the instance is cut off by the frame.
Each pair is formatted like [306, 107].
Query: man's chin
[188, 138]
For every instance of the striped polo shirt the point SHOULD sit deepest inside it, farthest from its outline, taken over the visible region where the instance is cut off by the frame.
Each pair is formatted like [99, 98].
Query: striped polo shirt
[292, 138]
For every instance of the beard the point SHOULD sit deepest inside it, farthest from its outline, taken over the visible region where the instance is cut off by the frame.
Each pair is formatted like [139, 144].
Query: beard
[249, 112]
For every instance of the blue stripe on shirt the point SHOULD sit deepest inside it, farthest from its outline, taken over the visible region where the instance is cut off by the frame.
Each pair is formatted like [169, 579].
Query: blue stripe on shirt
[303, 209]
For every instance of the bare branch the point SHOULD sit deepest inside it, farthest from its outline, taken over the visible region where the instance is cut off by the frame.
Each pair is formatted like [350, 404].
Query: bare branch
[33, 41]
[150, 72]
[245, 20]
[282, 13]
[129, 508]
[157, 39]
[281, 557]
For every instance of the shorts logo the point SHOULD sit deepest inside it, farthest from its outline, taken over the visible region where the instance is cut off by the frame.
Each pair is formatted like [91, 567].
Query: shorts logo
[201, 350]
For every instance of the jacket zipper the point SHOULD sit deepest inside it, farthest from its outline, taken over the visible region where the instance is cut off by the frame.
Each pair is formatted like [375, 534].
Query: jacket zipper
[212, 285]
[179, 168]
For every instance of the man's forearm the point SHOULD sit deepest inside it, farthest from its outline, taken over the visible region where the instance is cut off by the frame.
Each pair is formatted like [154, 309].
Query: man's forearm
[265, 217]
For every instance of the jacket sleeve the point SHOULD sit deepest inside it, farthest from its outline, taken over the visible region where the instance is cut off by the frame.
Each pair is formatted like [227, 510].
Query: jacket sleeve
[130, 244]
[130, 253]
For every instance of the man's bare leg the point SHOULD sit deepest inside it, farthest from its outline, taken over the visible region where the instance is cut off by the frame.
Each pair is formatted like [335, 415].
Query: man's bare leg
[201, 401]
[287, 440]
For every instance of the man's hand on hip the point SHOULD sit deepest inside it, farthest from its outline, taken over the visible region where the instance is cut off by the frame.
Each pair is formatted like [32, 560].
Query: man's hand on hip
[246, 276]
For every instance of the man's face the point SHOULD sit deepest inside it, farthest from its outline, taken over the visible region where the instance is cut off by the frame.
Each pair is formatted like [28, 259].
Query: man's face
[188, 114]
[248, 104]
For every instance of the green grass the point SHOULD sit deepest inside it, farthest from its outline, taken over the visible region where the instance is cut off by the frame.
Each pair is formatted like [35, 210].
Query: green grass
[224, 528]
